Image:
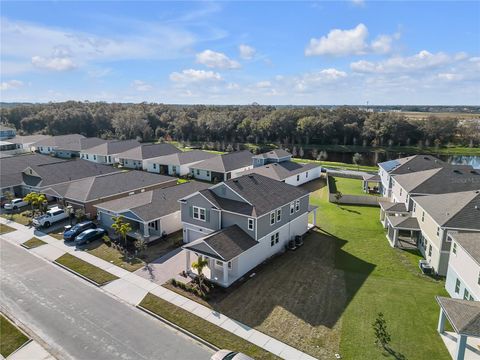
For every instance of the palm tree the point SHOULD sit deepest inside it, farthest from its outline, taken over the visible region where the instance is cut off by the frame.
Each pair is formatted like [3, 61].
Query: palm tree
[121, 228]
[199, 265]
[35, 200]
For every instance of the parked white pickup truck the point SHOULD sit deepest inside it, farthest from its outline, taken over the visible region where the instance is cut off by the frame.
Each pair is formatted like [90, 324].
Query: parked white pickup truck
[53, 215]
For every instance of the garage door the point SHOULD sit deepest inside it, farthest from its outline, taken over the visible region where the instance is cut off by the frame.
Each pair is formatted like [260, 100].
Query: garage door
[193, 235]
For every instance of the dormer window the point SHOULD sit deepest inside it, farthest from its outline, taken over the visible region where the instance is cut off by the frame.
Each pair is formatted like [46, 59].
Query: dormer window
[279, 215]
[251, 224]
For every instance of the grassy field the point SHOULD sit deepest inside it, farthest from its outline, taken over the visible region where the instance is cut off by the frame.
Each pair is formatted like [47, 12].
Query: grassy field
[328, 293]
[11, 338]
[91, 272]
[5, 229]
[202, 328]
[347, 186]
[338, 165]
[418, 115]
[33, 243]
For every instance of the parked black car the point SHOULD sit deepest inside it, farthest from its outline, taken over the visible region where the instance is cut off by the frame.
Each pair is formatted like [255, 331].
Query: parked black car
[90, 235]
[70, 233]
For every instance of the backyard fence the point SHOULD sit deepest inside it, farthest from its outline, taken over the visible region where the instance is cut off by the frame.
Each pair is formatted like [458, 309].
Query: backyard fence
[351, 199]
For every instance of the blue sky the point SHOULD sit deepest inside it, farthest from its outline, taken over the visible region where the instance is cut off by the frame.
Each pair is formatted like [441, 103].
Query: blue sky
[326, 52]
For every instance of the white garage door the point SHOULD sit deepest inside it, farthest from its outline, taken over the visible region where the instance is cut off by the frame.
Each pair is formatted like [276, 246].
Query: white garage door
[192, 235]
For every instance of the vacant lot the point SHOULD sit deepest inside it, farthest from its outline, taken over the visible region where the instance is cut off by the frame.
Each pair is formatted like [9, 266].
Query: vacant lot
[324, 297]
[11, 338]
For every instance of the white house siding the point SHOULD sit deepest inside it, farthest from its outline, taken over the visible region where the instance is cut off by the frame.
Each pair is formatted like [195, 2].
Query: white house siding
[201, 174]
[385, 180]
[399, 195]
[462, 267]
[132, 164]
[152, 167]
[304, 177]
[237, 172]
[171, 223]
[99, 159]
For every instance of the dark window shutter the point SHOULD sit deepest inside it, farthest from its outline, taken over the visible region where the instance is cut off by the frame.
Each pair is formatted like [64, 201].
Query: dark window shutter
[190, 209]
[207, 215]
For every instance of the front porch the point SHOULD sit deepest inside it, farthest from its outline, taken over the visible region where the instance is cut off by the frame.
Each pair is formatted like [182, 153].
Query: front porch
[372, 184]
[402, 231]
[391, 209]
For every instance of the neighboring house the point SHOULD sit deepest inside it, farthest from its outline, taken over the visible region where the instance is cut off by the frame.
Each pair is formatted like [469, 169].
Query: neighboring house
[463, 275]
[66, 146]
[86, 193]
[277, 166]
[407, 165]
[136, 158]
[177, 164]
[28, 142]
[432, 219]
[222, 167]
[7, 132]
[11, 168]
[107, 152]
[151, 213]
[238, 224]
[39, 177]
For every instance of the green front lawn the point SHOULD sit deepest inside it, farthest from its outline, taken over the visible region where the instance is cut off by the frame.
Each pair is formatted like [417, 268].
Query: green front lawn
[91, 272]
[33, 243]
[328, 292]
[11, 338]
[19, 218]
[113, 255]
[202, 328]
[6, 229]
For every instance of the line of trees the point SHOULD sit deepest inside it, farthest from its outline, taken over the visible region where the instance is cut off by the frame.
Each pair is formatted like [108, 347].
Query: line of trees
[252, 123]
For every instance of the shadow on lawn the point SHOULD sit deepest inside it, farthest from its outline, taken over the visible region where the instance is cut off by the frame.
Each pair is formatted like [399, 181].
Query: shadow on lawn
[306, 283]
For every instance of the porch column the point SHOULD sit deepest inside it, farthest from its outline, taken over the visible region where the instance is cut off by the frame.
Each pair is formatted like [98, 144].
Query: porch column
[225, 273]
[395, 237]
[146, 232]
[441, 322]
[187, 261]
[460, 349]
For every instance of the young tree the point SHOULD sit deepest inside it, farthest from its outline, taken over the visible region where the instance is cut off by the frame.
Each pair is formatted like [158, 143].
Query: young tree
[35, 200]
[382, 336]
[140, 246]
[79, 214]
[121, 228]
[357, 159]
[199, 265]
[323, 155]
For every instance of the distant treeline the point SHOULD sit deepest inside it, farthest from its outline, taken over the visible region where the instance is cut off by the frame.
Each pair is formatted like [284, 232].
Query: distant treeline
[252, 124]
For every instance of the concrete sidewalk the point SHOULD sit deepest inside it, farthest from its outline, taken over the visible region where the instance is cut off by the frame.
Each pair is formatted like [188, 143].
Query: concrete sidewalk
[132, 288]
[32, 350]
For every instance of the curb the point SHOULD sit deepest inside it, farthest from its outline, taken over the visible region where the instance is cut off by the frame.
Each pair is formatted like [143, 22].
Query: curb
[79, 275]
[175, 326]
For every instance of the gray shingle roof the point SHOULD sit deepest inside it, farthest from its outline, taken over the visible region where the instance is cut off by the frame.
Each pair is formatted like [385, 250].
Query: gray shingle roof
[263, 193]
[148, 151]
[281, 171]
[27, 139]
[226, 162]
[404, 222]
[452, 178]
[391, 206]
[224, 244]
[64, 171]
[228, 204]
[463, 315]
[470, 242]
[411, 164]
[274, 154]
[64, 142]
[455, 210]
[182, 158]
[112, 147]
[102, 186]
[156, 203]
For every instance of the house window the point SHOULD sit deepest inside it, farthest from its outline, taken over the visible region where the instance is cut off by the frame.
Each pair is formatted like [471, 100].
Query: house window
[466, 294]
[208, 173]
[279, 215]
[199, 213]
[277, 237]
[298, 177]
[250, 224]
[86, 155]
[292, 208]
[272, 218]
[153, 225]
[454, 248]
[297, 205]
[423, 216]
[306, 174]
[401, 191]
[457, 286]
[109, 158]
[430, 250]
[414, 206]
[198, 171]
[274, 238]
[193, 171]
[154, 166]
[478, 281]
[438, 230]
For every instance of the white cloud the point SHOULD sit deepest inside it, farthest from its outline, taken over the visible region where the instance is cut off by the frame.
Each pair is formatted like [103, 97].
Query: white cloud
[140, 85]
[350, 42]
[53, 63]
[194, 76]
[246, 52]
[263, 84]
[11, 84]
[313, 80]
[215, 59]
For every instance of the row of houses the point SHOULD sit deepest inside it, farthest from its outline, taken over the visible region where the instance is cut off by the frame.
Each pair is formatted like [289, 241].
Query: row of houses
[435, 207]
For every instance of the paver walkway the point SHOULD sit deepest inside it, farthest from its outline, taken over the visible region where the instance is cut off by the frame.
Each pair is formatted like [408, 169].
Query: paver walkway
[132, 288]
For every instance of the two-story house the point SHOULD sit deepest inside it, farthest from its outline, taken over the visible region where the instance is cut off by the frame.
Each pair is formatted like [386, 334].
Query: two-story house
[239, 223]
[107, 152]
[137, 157]
[463, 275]
[177, 164]
[222, 167]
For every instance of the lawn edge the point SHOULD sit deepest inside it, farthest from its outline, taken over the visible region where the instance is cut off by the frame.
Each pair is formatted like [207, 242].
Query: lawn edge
[83, 276]
[29, 339]
[179, 328]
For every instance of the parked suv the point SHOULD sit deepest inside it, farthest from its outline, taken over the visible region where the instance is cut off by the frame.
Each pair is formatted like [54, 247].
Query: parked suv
[53, 215]
[72, 231]
[90, 235]
[15, 204]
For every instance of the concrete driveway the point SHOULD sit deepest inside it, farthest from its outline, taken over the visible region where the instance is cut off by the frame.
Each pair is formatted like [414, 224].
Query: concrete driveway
[165, 267]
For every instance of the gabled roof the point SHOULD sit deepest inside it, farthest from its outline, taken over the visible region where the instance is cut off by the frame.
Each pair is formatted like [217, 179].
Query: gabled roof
[28, 139]
[97, 187]
[463, 315]
[411, 164]
[226, 162]
[63, 171]
[459, 210]
[148, 151]
[404, 222]
[234, 206]
[182, 158]
[470, 242]
[392, 206]
[274, 154]
[451, 178]
[64, 142]
[224, 244]
[281, 171]
[263, 193]
[112, 147]
[154, 204]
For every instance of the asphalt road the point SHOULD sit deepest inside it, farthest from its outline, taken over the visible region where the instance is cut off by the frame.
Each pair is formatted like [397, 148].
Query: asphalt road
[78, 321]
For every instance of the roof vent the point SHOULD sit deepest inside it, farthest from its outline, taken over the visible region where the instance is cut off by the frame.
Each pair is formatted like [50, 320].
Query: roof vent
[250, 176]
[457, 171]
[474, 172]
[235, 180]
